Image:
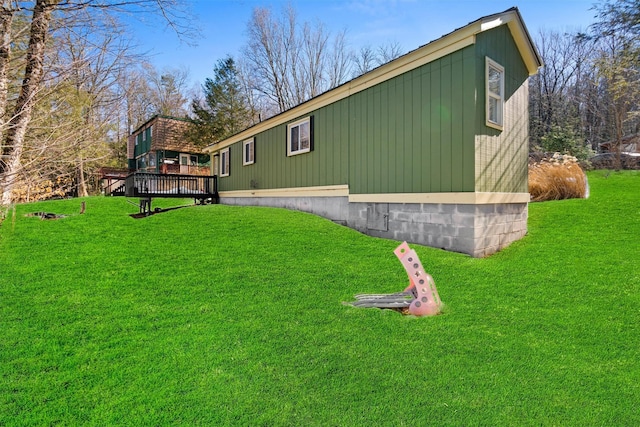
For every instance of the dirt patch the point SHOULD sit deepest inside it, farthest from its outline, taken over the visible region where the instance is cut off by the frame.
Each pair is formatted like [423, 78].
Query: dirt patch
[45, 215]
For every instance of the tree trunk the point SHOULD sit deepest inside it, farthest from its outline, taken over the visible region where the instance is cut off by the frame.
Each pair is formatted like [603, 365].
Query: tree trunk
[6, 18]
[17, 126]
[619, 133]
[82, 183]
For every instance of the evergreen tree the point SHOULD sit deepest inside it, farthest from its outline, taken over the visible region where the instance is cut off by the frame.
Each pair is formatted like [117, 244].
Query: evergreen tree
[224, 111]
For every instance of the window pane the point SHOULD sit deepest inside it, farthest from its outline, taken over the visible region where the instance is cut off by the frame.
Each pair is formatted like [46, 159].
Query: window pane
[248, 152]
[295, 139]
[224, 163]
[493, 110]
[304, 136]
[494, 81]
[304, 130]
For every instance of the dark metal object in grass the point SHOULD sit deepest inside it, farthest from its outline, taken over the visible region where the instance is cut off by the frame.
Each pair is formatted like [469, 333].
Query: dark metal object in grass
[420, 298]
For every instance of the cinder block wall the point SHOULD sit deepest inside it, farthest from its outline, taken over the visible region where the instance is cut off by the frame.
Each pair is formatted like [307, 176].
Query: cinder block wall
[477, 230]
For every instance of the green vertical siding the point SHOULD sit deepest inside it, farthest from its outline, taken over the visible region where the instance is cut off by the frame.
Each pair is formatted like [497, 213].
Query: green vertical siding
[143, 146]
[457, 118]
[417, 118]
[423, 131]
[327, 164]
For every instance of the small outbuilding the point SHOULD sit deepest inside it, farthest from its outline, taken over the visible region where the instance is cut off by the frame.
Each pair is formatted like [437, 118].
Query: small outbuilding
[431, 148]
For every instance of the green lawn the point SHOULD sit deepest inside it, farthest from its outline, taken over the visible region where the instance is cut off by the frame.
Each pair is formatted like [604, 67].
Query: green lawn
[219, 315]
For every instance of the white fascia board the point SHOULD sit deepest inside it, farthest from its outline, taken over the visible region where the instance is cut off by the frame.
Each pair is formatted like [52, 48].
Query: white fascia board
[528, 52]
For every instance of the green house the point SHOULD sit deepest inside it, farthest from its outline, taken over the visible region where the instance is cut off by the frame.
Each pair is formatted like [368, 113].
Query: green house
[431, 148]
[159, 146]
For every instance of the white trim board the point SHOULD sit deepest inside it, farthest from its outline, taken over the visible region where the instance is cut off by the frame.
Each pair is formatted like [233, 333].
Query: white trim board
[466, 198]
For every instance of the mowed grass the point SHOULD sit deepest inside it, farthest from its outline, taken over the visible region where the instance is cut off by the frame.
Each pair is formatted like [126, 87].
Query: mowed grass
[219, 315]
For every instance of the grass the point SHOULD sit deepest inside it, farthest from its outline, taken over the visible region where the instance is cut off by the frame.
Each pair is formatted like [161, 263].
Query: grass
[220, 315]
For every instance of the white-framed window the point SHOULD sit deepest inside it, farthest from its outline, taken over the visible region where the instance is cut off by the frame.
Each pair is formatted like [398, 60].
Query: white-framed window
[299, 137]
[144, 134]
[248, 151]
[141, 162]
[224, 162]
[495, 94]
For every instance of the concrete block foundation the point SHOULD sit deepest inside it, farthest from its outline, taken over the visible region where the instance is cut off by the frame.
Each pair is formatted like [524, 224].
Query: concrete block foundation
[478, 230]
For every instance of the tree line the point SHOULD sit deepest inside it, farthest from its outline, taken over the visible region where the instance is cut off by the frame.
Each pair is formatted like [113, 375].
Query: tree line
[588, 91]
[73, 84]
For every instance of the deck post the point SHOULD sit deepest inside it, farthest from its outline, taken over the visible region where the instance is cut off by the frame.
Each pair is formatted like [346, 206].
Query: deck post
[145, 205]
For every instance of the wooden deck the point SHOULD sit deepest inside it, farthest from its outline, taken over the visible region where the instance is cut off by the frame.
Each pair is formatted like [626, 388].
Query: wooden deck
[153, 185]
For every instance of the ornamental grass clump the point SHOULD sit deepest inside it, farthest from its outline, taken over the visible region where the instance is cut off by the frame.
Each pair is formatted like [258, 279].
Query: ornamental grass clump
[556, 178]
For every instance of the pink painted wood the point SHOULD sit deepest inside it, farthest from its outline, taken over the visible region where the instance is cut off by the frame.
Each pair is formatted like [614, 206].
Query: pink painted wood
[427, 301]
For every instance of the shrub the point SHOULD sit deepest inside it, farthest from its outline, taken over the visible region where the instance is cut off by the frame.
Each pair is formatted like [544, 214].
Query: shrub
[556, 178]
[564, 141]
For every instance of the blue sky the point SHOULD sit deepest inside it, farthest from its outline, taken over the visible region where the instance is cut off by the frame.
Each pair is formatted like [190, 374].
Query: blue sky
[222, 24]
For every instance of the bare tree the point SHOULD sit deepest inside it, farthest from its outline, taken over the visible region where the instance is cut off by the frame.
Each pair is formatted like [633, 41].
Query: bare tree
[290, 63]
[364, 61]
[34, 70]
[389, 51]
[167, 90]
[314, 46]
[133, 88]
[617, 32]
[339, 63]
[41, 17]
[6, 19]
[554, 100]
[368, 58]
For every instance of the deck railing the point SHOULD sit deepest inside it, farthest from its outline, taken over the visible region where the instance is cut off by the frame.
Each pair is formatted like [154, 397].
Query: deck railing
[142, 184]
[114, 188]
